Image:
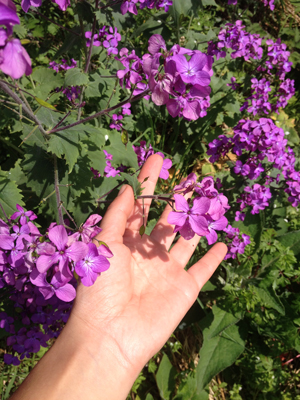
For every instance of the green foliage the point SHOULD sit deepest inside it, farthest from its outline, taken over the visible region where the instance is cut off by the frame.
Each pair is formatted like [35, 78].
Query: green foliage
[252, 302]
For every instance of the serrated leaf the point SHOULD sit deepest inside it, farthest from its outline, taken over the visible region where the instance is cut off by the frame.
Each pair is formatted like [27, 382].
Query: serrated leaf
[65, 143]
[47, 117]
[10, 195]
[76, 77]
[133, 182]
[165, 378]
[121, 154]
[47, 79]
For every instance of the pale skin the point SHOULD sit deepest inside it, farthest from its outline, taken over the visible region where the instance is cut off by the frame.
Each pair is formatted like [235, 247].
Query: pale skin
[126, 317]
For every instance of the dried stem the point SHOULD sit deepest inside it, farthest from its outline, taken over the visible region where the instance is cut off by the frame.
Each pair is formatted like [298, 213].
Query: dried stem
[57, 192]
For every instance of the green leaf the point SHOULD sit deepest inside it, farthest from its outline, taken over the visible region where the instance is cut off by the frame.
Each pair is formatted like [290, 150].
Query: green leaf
[10, 195]
[270, 299]
[46, 80]
[209, 3]
[217, 354]
[65, 143]
[291, 240]
[251, 226]
[45, 104]
[149, 397]
[121, 154]
[208, 287]
[149, 24]
[222, 320]
[189, 391]
[48, 117]
[76, 77]
[165, 378]
[133, 182]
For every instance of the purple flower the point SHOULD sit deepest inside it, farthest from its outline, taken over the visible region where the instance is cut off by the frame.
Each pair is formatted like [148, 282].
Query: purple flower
[129, 5]
[25, 4]
[64, 291]
[14, 59]
[91, 266]
[189, 221]
[62, 4]
[23, 215]
[64, 253]
[214, 226]
[88, 230]
[167, 164]
[192, 71]
[8, 15]
[10, 359]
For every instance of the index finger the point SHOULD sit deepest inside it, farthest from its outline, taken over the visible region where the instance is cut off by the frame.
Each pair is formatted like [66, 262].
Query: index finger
[151, 170]
[115, 219]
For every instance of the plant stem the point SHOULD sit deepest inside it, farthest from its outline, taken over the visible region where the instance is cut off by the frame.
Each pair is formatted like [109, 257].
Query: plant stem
[57, 192]
[4, 213]
[86, 69]
[17, 99]
[135, 98]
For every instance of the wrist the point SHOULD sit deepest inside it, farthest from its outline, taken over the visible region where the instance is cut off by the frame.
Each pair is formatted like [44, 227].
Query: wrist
[80, 365]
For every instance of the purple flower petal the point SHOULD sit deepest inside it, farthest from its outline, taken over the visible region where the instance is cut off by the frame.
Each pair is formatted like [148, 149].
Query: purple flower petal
[77, 251]
[66, 292]
[201, 205]
[181, 203]
[58, 235]
[177, 218]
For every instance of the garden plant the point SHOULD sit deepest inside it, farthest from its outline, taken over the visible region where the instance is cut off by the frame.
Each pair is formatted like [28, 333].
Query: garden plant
[89, 90]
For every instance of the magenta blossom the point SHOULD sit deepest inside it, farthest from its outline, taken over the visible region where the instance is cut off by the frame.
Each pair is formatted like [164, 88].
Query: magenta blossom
[91, 266]
[64, 254]
[64, 291]
[192, 71]
[167, 164]
[189, 221]
[23, 214]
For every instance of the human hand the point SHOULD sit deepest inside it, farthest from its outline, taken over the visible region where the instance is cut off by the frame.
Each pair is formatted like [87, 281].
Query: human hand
[146, 292]
[121, 321]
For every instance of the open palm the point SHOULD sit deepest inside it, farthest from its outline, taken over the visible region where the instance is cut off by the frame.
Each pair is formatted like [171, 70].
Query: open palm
[146, 292]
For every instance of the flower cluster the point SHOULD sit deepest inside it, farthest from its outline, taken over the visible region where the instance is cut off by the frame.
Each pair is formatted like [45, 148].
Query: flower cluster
[62, 4]
[118, 117]
[108, 39]
[276, 63]
[71, 92]
[204, 214]
[178, 78]
[143, 153]
[38, 271]
[266, 149]
[236, 242]
[130, 5]
[14, 59]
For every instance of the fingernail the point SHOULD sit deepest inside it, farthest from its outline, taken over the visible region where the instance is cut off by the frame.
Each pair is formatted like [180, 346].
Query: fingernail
[122, 190]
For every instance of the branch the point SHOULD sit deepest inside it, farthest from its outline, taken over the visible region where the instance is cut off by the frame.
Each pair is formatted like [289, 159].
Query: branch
[135, 98]
[57, 192]
[17, 99]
